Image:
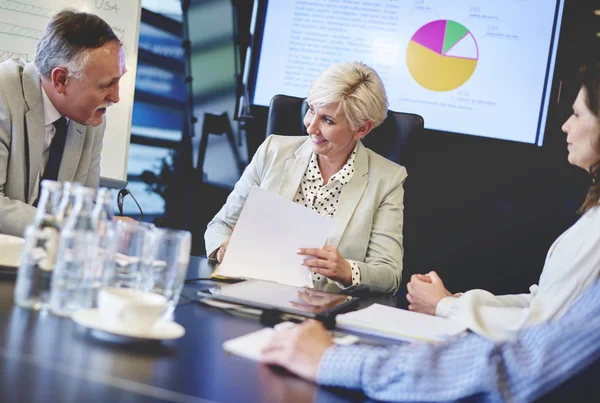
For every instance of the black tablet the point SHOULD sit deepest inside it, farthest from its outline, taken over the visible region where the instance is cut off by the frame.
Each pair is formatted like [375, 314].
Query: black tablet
[283, 298]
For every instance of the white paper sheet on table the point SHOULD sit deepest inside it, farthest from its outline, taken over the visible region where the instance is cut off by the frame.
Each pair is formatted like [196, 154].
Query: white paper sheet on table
[250, 345]
[267, 235]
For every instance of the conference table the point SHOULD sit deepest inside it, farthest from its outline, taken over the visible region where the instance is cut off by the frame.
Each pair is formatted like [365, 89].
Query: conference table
[47, 358]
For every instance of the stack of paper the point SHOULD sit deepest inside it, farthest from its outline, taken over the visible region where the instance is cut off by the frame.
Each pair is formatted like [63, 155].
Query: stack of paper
[400, 324]
[267, 235]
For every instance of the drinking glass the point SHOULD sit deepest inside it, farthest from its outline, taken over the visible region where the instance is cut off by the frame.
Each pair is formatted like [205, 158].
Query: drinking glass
[133, 252]
[165, 275]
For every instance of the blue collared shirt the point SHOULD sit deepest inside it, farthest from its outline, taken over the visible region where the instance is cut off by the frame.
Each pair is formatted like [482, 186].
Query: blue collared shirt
[523, 369]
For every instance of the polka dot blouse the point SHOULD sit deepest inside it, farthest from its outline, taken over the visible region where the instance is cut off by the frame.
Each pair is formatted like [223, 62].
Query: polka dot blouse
[323, 198]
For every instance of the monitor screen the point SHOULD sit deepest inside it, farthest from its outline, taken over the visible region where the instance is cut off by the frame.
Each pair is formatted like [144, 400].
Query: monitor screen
[475, 67]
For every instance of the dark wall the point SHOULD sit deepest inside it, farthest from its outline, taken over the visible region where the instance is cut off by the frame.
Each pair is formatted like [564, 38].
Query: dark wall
[483, 213]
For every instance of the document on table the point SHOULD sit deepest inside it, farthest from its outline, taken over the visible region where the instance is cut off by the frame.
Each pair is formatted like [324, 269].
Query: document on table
[399, 324]
[250, 345]
[267, 235]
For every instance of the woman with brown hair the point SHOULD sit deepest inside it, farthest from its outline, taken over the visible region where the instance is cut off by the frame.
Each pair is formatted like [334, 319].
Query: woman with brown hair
[572, 263]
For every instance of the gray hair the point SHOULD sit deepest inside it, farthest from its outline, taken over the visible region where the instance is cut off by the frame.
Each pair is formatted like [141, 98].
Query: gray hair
[356, 88]
[67, 40]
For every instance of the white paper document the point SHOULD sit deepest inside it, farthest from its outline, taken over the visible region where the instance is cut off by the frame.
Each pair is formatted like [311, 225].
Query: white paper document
[400, 324]
[250, 345]
[266, 238]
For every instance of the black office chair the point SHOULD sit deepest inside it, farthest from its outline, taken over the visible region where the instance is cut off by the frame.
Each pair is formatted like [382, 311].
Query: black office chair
[388, 139]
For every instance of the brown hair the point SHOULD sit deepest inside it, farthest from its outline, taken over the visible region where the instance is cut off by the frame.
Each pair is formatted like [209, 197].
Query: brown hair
[589, 80]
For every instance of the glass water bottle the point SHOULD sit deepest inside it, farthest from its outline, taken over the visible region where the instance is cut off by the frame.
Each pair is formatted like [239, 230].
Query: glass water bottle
[103, 218]
[72, 281]
[40, 249]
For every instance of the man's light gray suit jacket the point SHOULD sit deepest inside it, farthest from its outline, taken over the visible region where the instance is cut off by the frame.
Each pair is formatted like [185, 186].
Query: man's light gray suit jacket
[22, 144]
[369, 216]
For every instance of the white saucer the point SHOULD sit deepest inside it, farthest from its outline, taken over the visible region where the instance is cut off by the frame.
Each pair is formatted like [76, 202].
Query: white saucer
[162, 330]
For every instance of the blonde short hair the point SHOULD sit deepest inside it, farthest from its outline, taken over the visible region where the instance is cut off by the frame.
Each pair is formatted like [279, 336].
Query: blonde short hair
[356, 88]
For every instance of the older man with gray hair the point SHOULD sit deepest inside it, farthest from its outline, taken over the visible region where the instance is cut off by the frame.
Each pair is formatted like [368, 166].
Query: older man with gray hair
[52, 112]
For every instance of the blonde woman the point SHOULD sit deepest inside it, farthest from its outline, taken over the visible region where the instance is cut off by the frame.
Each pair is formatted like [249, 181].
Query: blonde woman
[331, 172]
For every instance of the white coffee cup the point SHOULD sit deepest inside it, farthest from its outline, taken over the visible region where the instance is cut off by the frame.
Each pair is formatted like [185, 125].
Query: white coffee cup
[131, 308]
[10, 250]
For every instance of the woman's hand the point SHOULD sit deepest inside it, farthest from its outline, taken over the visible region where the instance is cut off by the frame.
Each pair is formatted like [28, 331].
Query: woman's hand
[328, 262]
[298, 349]
[222, 249]
[425, 291]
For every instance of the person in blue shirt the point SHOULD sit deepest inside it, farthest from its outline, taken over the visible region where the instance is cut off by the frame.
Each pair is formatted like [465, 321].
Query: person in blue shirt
[539, 360]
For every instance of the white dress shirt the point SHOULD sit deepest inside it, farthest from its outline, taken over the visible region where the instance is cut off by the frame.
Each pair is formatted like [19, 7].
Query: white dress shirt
[51, 115]
[572, 265]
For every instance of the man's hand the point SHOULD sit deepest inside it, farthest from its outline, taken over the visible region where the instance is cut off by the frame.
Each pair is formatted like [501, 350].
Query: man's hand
[328, 262]
[298, 349]
[425, 291]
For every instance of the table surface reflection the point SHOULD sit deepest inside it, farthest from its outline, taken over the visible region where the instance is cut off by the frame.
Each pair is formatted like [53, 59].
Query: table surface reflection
[47, 358]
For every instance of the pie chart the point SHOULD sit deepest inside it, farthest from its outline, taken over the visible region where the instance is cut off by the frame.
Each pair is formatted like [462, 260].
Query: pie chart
[442, 55]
